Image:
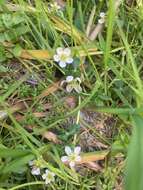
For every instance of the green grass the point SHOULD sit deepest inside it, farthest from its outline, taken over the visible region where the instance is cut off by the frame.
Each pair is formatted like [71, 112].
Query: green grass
[40, 119]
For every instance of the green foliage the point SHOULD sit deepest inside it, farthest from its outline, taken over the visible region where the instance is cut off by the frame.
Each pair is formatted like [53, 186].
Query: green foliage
[134, 168]
[12, 26]
[112, 89]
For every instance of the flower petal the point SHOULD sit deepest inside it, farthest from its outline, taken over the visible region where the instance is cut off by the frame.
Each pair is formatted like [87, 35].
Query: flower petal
[69, 60]
[53, 174]
[69, 78]
[31, 162]
[102, 14]
[78, 79]
[68, 150]
[47, 181]
[62, 64]
[47, 171]
[101, 21]
[69, 88]
[64, 159]
[67, 51]
[35, 171]
[72, 164]
[64, 81]
[44, 176]
[78, 159]
[59, 50]
[77, 150]
[56, 58]
[78, 88]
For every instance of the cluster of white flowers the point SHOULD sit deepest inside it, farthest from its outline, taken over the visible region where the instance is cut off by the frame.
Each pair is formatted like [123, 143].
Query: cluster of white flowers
[102, 18]
[63, 57]
[72, 158]
[37, 166]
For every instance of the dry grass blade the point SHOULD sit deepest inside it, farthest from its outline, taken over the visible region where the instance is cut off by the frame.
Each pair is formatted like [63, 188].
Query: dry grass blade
[98, 28]
[90, 22]
[35, 54]
[65, 27]
[44, 54]
[91, 157]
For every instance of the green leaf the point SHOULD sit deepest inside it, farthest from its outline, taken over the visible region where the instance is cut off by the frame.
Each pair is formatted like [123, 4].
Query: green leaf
[134, 167]
[17, 50]
[2, 54]
[17, 19]
[6, 18]
[18, 164]
[2, 2]
[7, 152]
[3, 69]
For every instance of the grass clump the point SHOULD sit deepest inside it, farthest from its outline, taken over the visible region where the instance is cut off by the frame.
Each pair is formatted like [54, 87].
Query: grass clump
[71, 95]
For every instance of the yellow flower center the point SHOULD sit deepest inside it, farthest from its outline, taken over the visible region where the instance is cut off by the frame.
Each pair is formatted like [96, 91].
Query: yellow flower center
[72, 157]
[38, 163]
[63, 57]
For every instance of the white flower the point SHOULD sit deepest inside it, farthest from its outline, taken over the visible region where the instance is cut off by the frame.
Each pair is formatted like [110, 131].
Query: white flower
[54, 6]
[72, 157]
[48, 176]
[102, 15]
[63, 56]
[102, 18]
[3, 114]
[36, 165]
[72, 84]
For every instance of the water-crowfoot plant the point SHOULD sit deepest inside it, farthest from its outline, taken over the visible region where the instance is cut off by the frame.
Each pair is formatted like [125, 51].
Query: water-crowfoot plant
[48, 176]
[72, 84]
[73, 156]
[63, 57]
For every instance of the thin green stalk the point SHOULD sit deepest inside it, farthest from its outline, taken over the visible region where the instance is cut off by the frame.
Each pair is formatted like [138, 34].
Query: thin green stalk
[110, 24]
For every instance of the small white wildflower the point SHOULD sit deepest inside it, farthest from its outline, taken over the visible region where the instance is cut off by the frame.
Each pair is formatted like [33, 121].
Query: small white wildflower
[102, 18]
[3, 115]
[72, 84]
[63, 56]
[72, 157]
[36, 165]
[48, 176]
[102, 15]
[55, 6]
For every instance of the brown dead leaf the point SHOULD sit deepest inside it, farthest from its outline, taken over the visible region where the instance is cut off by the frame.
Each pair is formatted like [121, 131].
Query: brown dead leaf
[51, 137]
[93, 166]
[19, 117]
[51, 89]
[70, 102]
